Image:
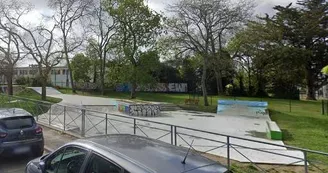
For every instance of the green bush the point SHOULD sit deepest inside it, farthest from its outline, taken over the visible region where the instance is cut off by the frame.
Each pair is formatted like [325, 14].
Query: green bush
[23, 80]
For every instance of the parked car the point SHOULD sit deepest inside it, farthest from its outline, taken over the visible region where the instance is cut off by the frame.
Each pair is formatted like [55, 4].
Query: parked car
[19, 133]
[122, 154]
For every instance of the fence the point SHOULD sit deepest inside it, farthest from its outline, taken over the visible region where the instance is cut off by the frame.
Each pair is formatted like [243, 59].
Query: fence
[87, 123]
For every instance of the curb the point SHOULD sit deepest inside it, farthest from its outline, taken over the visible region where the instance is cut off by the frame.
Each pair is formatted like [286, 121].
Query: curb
[48, 149]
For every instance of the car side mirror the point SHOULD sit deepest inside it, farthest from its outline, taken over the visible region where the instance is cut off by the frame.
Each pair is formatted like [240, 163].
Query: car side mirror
[42, 166]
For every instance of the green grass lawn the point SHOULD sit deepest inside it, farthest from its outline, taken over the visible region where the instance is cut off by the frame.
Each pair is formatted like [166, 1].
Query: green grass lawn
[303, 127]
[22, 100]
[31, 94]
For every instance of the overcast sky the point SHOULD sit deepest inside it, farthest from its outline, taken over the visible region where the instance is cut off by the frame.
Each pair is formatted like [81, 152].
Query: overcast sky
[263, 6]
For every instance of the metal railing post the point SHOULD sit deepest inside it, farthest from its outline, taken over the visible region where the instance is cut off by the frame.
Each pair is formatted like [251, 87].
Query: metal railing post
[175, 136]
[50, 115]
[171, 135]
[83, 123]
[106, 123]
[305, 162]
[228, 152]
[64, 118]
[134, 126]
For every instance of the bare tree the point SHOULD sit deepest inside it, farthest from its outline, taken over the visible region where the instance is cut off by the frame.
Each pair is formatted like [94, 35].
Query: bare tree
[103, 27]
[10, 56]
[39, 42]
[67, 16]
[201, 26]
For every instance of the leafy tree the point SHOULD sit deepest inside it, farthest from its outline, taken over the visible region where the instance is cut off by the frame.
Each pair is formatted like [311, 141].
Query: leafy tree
[201, 27]
[103, 27]
[304, 40]
[222, 65]
[38, 41]
[81, 68]
[138, 28]
[121, 70]
[67, 14]
[92, 54]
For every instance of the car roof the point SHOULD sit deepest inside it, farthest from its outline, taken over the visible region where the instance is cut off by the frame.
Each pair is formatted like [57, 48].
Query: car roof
[148, 155]
[13, 112]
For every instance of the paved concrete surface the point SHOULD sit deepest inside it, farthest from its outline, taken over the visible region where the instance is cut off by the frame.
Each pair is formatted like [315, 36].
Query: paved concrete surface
[49, 90]
[55, 139]
[83, 100]
[246, 126]
[16, 164]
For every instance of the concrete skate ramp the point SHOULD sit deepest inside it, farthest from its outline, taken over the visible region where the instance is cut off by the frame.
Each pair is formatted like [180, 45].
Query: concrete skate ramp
[49, 90]
[238, 107]
[102, 108]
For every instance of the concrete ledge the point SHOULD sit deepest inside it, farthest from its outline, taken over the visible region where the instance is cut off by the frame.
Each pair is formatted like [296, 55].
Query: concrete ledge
[273, 131]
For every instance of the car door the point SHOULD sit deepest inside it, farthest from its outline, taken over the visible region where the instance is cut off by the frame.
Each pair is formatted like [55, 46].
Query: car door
[99, 164]
[66, 160]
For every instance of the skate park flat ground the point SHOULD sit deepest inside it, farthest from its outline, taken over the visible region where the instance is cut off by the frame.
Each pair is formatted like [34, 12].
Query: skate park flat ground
[250, 127]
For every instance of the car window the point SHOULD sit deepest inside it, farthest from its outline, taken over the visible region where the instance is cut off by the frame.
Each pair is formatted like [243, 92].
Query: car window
[17, 122]
[68, 161]
[98, 164]
[53, 160]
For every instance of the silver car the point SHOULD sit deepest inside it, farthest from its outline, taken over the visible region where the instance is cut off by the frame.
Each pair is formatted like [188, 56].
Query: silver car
[122, 154]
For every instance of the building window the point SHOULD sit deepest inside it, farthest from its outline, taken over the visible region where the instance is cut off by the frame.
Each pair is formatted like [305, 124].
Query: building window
[58, 72]
[64, 72]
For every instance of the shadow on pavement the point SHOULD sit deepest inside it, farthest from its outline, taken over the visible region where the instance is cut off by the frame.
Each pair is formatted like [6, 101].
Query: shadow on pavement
[14, 164]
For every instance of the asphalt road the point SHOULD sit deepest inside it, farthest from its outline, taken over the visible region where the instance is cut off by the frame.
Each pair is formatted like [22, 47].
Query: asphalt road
[14, 164]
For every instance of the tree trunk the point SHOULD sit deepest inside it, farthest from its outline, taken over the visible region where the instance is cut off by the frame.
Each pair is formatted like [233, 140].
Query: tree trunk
[134, 84]
[10, 89]
[310, 92]
[44, 89]
[101, 75]
[133, 90]
[68, 64]
[219, 84]
[103, 67]
[95, 73]
[203, 81]
[249, 83]
[70, 73]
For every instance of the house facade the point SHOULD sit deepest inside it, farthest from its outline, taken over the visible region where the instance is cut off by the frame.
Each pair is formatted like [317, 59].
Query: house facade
[59, 76]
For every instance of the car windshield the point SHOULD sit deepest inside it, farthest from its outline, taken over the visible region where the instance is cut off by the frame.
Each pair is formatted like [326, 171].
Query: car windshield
[17, 122]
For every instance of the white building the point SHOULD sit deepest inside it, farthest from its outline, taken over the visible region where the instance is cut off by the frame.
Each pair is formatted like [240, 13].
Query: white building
[59, 75]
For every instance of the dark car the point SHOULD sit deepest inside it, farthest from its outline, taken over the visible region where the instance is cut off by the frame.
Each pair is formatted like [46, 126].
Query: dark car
[19, 133]
[122, 154]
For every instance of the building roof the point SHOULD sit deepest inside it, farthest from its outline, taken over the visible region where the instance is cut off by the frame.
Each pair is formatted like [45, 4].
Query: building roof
[149, 155]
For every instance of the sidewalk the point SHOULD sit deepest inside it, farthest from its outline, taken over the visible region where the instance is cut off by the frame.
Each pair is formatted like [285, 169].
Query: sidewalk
[55, 139]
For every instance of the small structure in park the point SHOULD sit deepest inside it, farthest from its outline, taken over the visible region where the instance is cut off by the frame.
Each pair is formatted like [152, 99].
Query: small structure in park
[139, 110]
[250, 109]
[236, 107]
